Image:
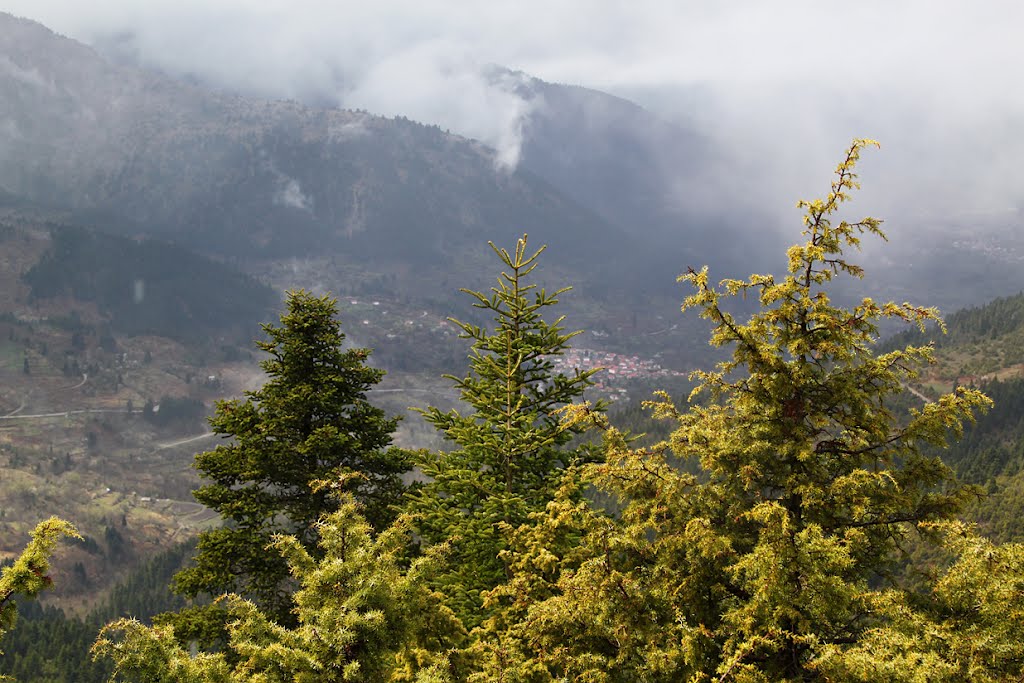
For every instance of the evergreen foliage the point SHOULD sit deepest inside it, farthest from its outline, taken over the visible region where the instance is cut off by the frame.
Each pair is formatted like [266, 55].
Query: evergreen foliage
[148, 287]
[764, 564]
[774, 553]
[969, 627]
[510, 449]
[28, 575]
[310, 422]
[49, 647]
[361, 617]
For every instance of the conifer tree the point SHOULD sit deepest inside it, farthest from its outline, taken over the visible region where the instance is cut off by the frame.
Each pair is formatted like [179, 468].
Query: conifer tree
[968, 627]
[29, 575]
[310, 421]
[510, 449]
[809, 480]
[360, 616]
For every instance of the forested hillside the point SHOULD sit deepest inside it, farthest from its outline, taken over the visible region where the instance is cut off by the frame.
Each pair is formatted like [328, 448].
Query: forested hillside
[984, 347]
[994, 446]
[979, 342]
[308, 404]
[251, 178]
[776, 553]
[50, 645]
[148, 287]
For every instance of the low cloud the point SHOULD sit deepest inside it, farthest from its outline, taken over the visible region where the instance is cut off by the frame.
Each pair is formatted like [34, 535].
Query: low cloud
[30, 77]
[780, 87]
[290, 194]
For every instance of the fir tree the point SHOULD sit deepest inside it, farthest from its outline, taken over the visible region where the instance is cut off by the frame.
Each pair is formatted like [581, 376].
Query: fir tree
[308, 423]
[968, 627]
[510, 449]
[764, 562]
[361, 616]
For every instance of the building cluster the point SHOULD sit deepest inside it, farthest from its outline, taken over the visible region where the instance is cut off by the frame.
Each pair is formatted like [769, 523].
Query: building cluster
[991, 246]
[617, 369]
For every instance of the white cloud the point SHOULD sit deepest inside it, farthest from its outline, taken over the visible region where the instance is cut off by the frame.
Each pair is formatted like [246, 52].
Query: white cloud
[30, 77]
[784, 84]
[292, 45]
[290, 194]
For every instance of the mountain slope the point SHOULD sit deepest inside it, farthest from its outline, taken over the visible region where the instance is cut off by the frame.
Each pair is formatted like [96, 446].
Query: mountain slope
[635, 169]
[146, 287]
[236, 176]
[984, 347]
[77, 276]
[981, 343]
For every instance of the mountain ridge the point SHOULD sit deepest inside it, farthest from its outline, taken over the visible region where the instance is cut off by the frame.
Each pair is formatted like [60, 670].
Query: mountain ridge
[216, 171]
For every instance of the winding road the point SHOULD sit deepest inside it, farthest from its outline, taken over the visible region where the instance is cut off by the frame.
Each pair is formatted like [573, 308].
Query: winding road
[62, 413]
[180, 442]
[917, 393]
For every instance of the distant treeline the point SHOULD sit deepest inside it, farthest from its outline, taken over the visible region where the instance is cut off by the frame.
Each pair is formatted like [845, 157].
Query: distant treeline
[48, 646]
[149, 287]
[1001, 319]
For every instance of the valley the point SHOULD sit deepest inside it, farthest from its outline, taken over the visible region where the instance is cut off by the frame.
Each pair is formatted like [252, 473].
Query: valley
[151, 223]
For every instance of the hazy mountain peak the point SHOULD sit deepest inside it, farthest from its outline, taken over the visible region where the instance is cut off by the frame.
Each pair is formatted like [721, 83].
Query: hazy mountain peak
[236, 175]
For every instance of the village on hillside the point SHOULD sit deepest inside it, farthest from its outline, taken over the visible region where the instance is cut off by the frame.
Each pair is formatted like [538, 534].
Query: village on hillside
[617, 369]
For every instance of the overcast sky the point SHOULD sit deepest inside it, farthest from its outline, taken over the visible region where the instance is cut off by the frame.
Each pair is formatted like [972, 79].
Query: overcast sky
[784, 85]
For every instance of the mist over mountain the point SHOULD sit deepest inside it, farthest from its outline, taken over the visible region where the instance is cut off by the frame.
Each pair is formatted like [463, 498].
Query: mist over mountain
[637, 170]
[204, 161]
[169, 168]
[242, 177]
[778, 89]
